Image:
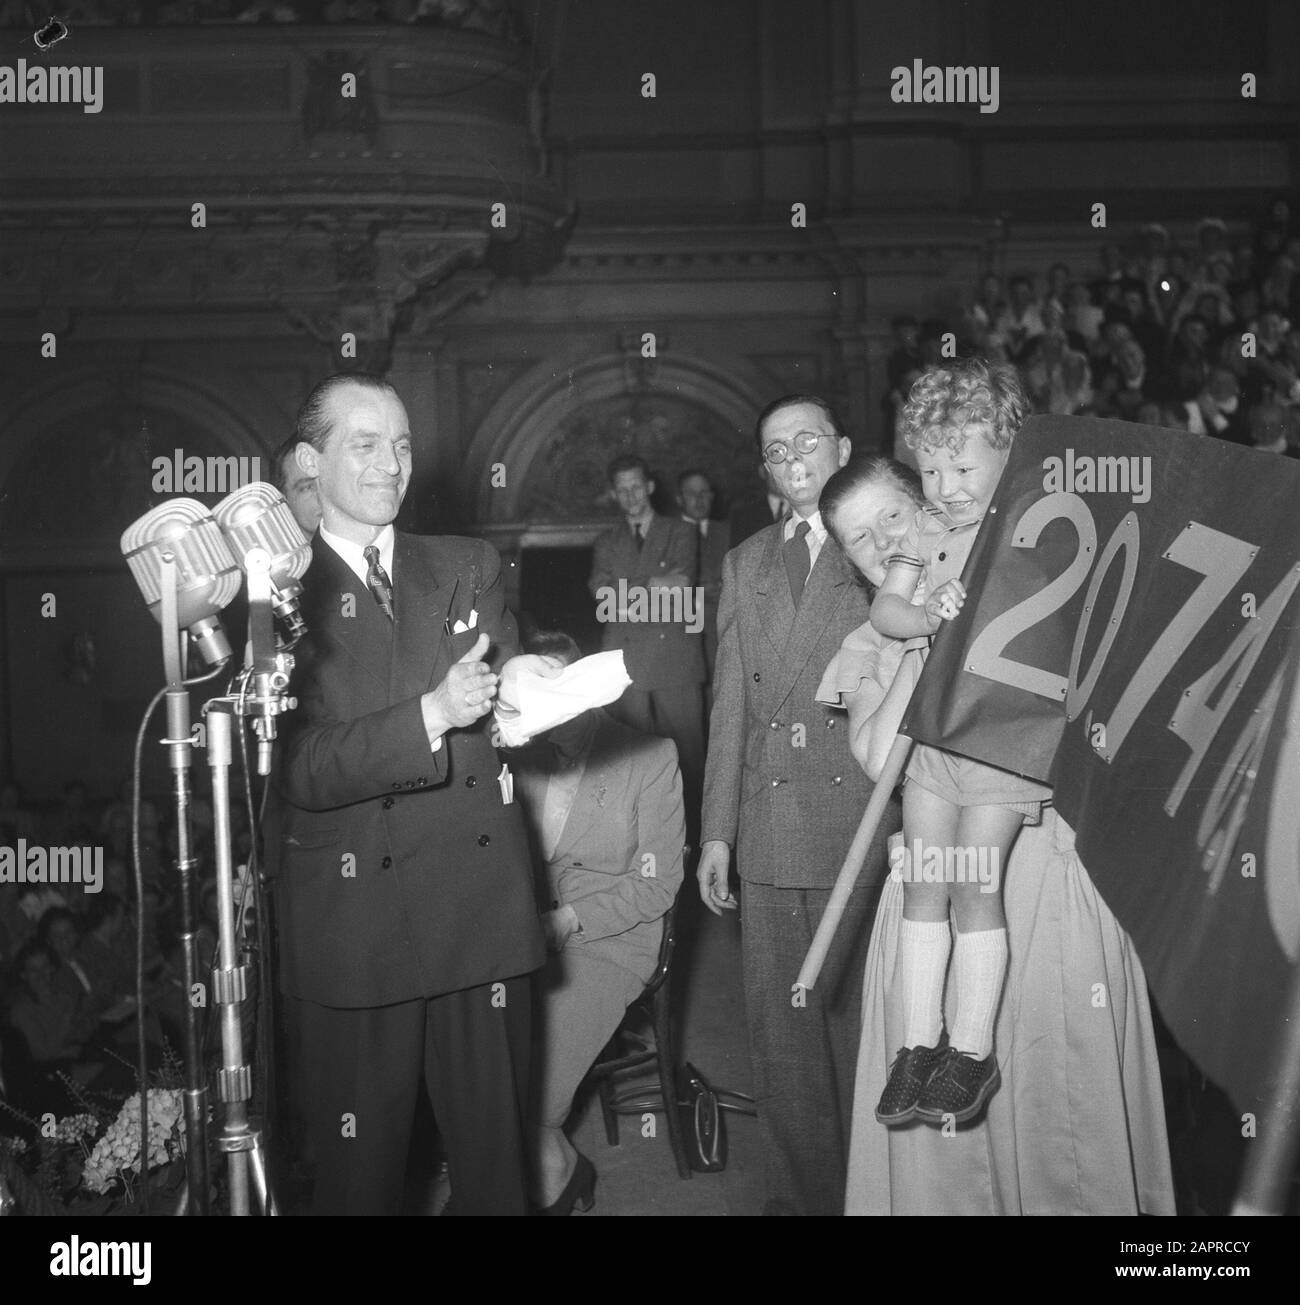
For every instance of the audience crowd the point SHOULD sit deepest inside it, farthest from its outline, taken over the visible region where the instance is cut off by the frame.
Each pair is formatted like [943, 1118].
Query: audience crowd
[68, 953]
[1201, 336]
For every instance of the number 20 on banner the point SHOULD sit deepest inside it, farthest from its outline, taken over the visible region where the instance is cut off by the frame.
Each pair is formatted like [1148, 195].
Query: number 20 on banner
[1219, 559]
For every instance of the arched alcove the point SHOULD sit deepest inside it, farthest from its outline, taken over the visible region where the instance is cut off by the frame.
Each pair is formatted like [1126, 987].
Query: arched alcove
[76, 458]
[551, 435]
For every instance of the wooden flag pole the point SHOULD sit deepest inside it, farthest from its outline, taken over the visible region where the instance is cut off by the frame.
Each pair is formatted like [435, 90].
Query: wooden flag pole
[852, 867]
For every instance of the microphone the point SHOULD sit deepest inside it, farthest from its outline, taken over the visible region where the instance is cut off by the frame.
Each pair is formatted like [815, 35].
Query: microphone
[266, 540]
[257, 516]
[207, 576]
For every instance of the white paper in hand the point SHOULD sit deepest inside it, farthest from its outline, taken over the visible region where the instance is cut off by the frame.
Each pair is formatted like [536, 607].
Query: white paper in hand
[541, 702]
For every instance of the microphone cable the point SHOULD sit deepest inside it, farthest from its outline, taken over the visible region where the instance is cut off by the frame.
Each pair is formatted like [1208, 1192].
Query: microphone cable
[142, 1059]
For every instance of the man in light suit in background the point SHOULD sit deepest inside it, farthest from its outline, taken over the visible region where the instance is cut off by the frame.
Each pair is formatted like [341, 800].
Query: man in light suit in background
[783, 791]
[605, 811]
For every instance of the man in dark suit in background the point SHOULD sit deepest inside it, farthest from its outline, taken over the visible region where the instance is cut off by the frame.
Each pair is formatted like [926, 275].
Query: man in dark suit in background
[298, 488]
[782, 788]
[750, 516]
[695, 498]
[636, 567]
[407, 920]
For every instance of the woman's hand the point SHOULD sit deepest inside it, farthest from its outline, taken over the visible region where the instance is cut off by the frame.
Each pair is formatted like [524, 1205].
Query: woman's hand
[946, 601]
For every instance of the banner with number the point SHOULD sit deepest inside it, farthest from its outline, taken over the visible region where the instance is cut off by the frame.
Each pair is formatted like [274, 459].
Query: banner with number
[1132, 636]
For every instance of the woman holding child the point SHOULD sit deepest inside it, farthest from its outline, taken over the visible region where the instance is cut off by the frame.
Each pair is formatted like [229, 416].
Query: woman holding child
[1022, 1077]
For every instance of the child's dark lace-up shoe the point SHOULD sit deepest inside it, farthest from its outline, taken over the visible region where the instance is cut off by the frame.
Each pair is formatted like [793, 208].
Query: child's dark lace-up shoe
[959, 1088]
[908, 1076]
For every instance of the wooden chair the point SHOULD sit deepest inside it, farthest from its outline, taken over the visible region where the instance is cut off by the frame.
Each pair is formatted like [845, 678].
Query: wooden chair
[617, 1064]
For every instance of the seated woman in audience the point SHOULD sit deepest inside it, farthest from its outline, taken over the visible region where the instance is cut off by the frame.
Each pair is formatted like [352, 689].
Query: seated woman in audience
[608, 824]
[54, 1024]
[1078, 1126]
[59, 932]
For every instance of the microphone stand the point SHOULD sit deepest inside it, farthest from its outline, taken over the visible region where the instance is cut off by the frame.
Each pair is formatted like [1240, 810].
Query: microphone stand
[178, 744]
[240, 1138]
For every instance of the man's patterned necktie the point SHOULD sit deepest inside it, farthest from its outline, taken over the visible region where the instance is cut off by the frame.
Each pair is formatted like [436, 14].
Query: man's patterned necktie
[378, 583]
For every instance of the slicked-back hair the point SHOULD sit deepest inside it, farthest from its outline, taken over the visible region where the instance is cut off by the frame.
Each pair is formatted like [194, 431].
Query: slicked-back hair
[313, 425]
[628, 462]
[859, 473]
[789, 401]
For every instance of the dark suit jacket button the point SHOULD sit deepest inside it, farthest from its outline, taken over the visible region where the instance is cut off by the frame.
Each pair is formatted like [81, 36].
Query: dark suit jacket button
[397, 786]
[410, 783]
[483, 840]
[776, 725]
[386, 863]
[837, 780]
[830, 724]
[388, 802]
[422, 780]
[775, 782]
[470, 781]
[757, 677]
[942, 556]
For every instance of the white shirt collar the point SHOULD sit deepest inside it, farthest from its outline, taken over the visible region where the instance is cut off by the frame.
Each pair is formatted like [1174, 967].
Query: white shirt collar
[355, 554]
[701, 526]
[814, 524]
[816, 534]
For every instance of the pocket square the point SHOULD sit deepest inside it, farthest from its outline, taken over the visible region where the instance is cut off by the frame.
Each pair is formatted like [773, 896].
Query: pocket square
[461, 627]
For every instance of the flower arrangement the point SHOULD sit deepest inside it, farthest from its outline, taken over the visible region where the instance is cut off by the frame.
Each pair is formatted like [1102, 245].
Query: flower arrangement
[89, 1162]
[117, 1153]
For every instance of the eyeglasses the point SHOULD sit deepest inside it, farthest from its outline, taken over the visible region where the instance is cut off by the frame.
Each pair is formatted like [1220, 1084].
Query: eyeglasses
[805, 442]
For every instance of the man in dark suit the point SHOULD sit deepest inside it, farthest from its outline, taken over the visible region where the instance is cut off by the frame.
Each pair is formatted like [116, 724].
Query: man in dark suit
[782, 789]
[407, 921]
[644, 574]
[695, 498]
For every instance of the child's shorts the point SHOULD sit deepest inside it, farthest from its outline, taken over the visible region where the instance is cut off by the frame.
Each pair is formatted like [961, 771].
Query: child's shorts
[968, 783]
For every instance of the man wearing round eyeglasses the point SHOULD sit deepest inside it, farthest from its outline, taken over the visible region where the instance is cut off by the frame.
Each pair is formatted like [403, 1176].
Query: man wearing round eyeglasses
[789, 597]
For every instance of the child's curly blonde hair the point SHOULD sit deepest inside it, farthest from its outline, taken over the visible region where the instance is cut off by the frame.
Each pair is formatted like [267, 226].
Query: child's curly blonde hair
[945, 400]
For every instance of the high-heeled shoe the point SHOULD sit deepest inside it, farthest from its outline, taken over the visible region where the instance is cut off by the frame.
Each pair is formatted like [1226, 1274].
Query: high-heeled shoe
[579, 1192]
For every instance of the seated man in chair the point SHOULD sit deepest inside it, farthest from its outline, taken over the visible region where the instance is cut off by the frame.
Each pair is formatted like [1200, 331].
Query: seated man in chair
[605, 812]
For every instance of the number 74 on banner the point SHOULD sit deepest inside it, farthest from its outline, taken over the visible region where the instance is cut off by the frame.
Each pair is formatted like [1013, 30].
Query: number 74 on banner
[1220, 559]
